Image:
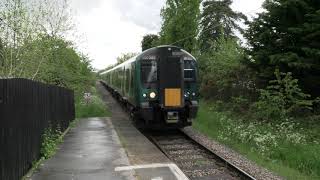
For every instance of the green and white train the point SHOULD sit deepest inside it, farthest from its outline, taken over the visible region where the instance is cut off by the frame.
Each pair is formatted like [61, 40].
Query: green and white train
[159, 87]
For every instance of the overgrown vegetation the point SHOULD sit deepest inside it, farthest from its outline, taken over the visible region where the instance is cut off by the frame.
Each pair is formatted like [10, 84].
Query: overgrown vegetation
[33, 44]
[281, 99]
[231, 78]
[262, 97]
[51, 138]
[94, 107]
[289, 147]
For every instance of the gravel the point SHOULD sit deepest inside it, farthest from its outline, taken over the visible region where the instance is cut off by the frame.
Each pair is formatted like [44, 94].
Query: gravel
[193, 159]
[231, 156]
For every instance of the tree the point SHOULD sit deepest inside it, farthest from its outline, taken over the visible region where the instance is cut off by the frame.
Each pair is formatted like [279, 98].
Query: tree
[125, 56]
[286, 36]
[54, 17]
[60, 65]
[23, 23]
[149, 41]
[32, 44]
[180, 23]
[218, 20]
[14, 32]
[222, 75]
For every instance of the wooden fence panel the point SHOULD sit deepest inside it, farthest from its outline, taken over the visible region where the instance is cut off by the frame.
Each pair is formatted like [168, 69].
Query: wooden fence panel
[27, 108]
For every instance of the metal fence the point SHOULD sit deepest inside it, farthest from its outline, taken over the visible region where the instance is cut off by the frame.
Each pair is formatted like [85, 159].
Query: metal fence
[27, 108]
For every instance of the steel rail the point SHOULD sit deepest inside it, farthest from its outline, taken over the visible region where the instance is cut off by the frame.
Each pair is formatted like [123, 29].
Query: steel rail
[227, 164]
[232, 165]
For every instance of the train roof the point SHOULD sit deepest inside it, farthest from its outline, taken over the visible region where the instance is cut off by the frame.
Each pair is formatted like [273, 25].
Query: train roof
[120, 65]
[148, 51]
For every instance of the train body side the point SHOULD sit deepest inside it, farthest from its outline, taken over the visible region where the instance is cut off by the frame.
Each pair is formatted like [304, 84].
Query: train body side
[123, 81]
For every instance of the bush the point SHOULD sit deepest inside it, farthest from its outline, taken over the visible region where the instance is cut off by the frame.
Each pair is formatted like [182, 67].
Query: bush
[216, 66]
[221, 73]
[50, 140]
[281, 98]
[240, 104]
[94, 108]
[269, 106]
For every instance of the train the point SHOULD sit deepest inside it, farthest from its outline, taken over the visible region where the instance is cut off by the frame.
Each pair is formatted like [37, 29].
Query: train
[158, 87]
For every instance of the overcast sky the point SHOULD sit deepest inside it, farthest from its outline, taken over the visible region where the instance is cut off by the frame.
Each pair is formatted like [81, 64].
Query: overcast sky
[108, 28]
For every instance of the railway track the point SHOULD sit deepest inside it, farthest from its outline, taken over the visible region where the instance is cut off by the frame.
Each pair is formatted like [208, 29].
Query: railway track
[197, 162]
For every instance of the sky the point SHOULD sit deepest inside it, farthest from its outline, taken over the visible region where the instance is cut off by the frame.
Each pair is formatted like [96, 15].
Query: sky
[108, 28]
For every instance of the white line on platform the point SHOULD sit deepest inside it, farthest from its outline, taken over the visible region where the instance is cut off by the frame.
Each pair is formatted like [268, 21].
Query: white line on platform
[157, 178]
[177, 172]
[173, 167]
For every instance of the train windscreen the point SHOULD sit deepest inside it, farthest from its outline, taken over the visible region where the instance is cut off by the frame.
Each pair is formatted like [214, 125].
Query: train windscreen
[149, 71]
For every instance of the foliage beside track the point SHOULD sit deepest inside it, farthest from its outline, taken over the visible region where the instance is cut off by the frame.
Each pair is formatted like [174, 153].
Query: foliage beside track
[93, 108]
[287, 147]
[263, 97]
[276, 126]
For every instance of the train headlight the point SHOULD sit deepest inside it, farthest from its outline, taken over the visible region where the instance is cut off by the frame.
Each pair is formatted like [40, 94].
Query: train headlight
[152, 95]
[144, 95]
[193, 94]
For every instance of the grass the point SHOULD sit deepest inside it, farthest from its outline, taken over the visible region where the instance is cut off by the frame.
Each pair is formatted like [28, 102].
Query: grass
[94, 108]
[289, 149]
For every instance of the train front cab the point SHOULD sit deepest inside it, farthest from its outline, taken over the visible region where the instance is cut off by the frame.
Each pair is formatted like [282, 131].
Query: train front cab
[169, 95]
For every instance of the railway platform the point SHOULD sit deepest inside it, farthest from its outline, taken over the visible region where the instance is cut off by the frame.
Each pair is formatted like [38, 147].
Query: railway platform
[92, 151]
[107, 148]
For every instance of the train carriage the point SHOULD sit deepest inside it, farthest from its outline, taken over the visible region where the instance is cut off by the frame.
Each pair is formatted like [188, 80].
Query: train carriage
[159, 86]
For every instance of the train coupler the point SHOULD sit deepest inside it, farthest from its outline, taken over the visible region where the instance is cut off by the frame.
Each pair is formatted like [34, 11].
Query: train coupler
[172, 117]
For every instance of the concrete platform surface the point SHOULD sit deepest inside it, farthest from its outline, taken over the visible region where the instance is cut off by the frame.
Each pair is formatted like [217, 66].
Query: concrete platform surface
[90, 151]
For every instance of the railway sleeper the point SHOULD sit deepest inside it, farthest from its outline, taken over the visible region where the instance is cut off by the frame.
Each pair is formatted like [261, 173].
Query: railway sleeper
[186, 152]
